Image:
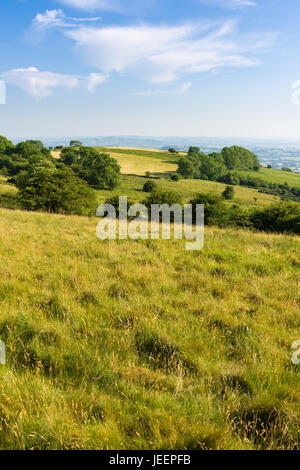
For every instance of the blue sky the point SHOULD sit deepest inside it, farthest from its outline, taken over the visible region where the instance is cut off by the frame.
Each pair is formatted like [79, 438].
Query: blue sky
[206, 68]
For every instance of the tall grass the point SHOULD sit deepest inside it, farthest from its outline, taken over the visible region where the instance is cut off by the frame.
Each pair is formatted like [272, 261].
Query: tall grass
[143, 345]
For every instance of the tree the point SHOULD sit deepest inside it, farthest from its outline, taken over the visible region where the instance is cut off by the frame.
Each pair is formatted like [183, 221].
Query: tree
[175, 177]
[45, 188]
[193, 150]
[69, 155]
[75, 143]
[228, 193]
[186, 168]
[172, 150]
[278, 217]
[149, 186]
[6, 146]
[163, 197]
[215, 210]
[240, 158]
[98, 169]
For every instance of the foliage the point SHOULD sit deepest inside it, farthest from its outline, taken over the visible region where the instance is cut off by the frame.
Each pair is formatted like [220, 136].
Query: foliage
[75, 143]
[228, 192]
[163, 197]
[99, 170]
[43, 187]
[149, 186]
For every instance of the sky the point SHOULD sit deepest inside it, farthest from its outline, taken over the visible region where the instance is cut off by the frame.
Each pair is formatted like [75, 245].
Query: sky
[203, 68]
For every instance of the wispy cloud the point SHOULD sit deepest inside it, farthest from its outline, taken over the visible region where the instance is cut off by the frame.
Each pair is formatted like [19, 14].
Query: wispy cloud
[173, 91]
[93, 4]
[118, 5]
[57, 19]
[40, 84]
[94, 80]
[161, 54]
[232, 4]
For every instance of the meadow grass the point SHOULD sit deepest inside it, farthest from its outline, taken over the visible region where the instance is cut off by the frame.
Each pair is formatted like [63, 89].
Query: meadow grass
[132, 186]
[143, 345]
[275, 176]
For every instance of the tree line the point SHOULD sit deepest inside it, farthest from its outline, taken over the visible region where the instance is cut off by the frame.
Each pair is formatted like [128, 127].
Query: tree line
[224, 167]
[63, 185]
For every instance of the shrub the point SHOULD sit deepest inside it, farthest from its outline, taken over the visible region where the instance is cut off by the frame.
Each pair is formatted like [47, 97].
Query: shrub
[163, 197]
[114, 201]
[175, 177]
[228, 193]
[149, 186]
[45, 188]
[278, 217]
[215, 210]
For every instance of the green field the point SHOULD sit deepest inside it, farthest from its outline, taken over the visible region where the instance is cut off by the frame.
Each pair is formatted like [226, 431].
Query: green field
[143, 345]
[135, 163]
[132, 186]
[276, 176]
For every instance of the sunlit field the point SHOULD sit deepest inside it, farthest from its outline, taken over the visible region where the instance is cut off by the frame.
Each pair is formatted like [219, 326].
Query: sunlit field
[143, 345]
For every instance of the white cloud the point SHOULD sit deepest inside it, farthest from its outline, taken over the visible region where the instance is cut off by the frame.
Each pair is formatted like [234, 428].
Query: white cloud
[42, 84]
[233, 4]
[57, 18]
[94, 80]
[161, 54]
[91, 4]
[176, 91]
[49, 19]
[38, 84]
[118, 5]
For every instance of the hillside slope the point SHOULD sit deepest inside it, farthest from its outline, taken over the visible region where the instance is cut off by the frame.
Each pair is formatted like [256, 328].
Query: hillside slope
[132, 345]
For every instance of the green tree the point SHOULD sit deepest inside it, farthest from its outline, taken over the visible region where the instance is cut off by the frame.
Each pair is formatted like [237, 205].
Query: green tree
[6, 146]
[215, 210]
[45, 188]
[149, 186]
[75, 143]
[99, 169]
[228, 192]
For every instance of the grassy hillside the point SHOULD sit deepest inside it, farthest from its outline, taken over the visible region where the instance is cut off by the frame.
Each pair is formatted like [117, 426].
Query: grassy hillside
[132, 186]
[134, 345]
[276, 176]
[161, 164]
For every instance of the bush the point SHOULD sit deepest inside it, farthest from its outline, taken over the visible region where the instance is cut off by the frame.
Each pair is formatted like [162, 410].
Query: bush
[215, 210]
[278, 217]
[45, 188]
[149, 186]
[114, 201]
[228, 193]
[98, 169]
[163, 197]
[175, 177]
